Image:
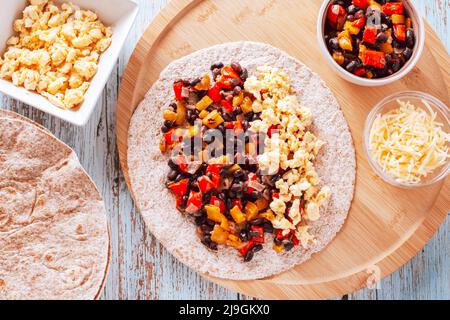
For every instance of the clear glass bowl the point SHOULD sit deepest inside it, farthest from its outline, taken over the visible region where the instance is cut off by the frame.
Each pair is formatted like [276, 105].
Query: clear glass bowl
[390, 103]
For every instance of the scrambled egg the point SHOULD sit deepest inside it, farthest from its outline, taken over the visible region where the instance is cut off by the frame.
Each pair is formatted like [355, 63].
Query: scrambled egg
[292, 147]
[55, 52]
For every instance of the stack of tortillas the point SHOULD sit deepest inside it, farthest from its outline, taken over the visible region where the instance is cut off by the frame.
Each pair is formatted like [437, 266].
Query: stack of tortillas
[54, 239]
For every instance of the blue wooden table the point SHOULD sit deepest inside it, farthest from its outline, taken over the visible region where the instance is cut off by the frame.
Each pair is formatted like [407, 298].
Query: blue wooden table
[148, 271]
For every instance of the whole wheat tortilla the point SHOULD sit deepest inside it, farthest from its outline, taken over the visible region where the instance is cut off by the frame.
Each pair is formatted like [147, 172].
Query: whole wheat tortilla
[54, 238]
[148, 168]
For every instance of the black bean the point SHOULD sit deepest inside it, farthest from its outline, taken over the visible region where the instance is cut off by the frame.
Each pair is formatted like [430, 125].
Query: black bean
[257, 248]
[410, 38]
[407, 53]
[237, 90]
[352, 66]
[334, 43]
[164, 129]
[388, 58]
[244, 74]
[200, 220]
[206, 228]
[168, 123]
[249, 116]
[239, 173]
[173, 174]
[257, 222]
[206, 199]
[256, 194]
[351, 18]
[236, 67]
[218, 65]
[277, 242]
[268, 228]
[243, 235]
[210, 222]
[173, 165]
[249, 256]
[288, 245]
[234, 82]
[396, 65]
[398, 44]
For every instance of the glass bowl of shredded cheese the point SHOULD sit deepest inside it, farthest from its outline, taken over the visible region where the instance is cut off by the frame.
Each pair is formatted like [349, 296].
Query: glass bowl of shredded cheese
[407, 139]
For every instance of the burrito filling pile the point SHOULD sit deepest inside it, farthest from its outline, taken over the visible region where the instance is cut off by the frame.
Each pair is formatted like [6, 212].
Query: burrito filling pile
[242, 159]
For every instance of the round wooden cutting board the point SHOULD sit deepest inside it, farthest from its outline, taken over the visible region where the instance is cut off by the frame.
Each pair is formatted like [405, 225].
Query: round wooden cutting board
[386, 225]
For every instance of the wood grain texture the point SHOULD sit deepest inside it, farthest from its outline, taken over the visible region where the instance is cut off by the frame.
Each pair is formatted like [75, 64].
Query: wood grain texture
[140, 267]
[401, 221]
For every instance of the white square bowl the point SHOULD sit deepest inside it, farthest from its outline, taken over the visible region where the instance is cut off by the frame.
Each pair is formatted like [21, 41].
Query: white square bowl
[118, 14]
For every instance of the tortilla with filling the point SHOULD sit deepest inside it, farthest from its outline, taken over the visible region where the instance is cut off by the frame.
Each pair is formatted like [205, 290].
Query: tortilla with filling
[54, 238]
[336, 164]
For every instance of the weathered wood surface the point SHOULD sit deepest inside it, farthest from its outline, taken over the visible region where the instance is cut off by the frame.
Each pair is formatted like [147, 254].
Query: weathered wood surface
[140, 267]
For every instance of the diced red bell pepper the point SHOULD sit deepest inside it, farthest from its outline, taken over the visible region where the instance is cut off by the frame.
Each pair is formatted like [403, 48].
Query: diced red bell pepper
[179, 202]
[370, 34]
[260, 237]
[228, 74]
[168, 137]
[194, 202]
[214, 168]
[178, 89]
[359, 72]
[205, 184]
[362, 4]
[216, 180]
[229, 125]
[400, 32]
[391, 8]
[227, 105]
[246, 247]
[271, 129]
[218, 203]
[235, 125]
[279, 235]
[251, 177]
[238, 203]
[214, 93]
[375, 59]
[180, 187]
[238, 128]
[276, 195]
[334, 12]
[359, 23]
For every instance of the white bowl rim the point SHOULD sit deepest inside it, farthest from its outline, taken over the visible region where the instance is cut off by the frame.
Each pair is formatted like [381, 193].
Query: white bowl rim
[418, 51]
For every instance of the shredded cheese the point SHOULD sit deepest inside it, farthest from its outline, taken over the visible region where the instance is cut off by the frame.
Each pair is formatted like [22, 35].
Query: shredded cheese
[408, 142]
